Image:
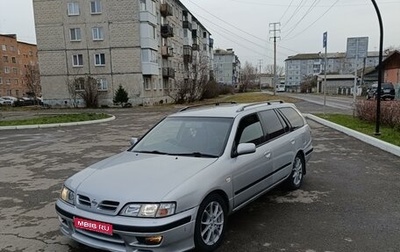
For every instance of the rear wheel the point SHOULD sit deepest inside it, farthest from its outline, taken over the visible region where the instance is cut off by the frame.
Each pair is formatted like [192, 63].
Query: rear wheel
[210, 223]
[295, 179]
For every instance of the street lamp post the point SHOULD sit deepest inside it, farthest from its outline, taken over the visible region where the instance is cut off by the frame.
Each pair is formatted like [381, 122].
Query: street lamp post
[378, 102]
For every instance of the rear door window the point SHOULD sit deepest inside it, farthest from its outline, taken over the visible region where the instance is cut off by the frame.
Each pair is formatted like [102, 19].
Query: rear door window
[272, 124]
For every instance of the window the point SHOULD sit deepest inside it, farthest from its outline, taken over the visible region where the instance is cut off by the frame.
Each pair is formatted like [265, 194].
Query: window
[6, 70]
[13, 60]
[143, 5]
[249, 131]
[95, 7]
[73, 9]
[77, 60]
[147, 83]
[99, 59]
[79, 84]
[8, 81]
[149, 55]
[15, 70]
[1, 80]
[294, 118]
[97, 33]
[102, 84]
[204, 34]
[12, 48]
[4, 47]
[272, 124]
[75, 34]
[5, 58]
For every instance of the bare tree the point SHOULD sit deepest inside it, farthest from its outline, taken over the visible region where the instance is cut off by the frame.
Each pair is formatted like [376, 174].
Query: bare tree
[269, 69]
[248, 76]
[32, 81]
[85, 88]
[193, 86]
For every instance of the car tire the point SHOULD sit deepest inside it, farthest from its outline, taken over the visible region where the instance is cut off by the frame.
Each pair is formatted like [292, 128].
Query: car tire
[295, 179]
[368, 97]
[210, 224]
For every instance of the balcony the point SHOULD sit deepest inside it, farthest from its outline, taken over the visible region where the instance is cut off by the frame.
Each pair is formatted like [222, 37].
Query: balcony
[167, 51]
[168, 72]
[194, 33]
[195, 47]
[167, 31]
[187, 25]
[166, 10]
[211, 42]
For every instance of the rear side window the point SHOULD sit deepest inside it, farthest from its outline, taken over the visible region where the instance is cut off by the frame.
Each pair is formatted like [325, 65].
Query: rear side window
[272, 124]
[294, 118]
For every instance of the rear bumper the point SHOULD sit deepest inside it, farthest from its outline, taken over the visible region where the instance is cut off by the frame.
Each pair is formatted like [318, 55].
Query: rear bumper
[177, 230]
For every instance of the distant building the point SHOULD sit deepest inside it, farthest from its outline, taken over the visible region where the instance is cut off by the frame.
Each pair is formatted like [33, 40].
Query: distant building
[226, 67]
[301, 65]
[147, 46]
[15, 57]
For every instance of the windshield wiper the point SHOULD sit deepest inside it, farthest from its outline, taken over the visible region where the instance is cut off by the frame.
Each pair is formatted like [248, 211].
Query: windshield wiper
[153, 152]
[196, 154]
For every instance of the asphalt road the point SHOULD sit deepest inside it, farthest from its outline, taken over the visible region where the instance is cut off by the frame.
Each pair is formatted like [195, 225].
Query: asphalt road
[349, 202]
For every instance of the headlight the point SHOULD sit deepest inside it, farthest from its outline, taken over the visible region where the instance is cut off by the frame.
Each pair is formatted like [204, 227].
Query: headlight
[67, 195]
[149, 210]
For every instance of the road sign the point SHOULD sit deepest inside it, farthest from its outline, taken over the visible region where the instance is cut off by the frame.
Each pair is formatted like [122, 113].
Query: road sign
[325, 39]
[357, 48]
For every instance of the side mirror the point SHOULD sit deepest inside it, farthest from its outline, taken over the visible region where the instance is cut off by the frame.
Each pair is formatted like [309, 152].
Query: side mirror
[133, 141]
[246, 148]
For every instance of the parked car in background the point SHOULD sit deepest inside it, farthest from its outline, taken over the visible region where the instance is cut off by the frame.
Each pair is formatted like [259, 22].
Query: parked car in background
[387, 91]
[175, 187]
[5, 102]
[9, 100]
[28, 101]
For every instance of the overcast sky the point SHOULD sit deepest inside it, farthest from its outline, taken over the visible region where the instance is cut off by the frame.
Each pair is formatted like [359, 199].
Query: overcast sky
[244, 24]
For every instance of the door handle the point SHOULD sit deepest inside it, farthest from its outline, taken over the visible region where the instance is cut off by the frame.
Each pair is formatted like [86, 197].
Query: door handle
[293, 141]
[267, 155]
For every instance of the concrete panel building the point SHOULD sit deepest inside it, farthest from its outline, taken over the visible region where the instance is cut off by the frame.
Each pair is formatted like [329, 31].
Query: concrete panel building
[226, 67]
[139, 44]
[15, 58]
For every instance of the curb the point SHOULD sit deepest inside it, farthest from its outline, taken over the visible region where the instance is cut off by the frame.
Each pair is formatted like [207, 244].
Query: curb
[391, 148]
[54, 125]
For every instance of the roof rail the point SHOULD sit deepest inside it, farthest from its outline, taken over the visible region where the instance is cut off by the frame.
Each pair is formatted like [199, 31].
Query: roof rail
[206, 104]
[259, 103]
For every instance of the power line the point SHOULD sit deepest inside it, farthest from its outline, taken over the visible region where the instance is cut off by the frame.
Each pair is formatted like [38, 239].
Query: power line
[294, 12]
[290, 5]
[323, 14]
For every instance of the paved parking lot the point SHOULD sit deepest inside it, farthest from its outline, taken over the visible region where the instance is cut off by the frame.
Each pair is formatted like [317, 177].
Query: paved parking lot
[349, 202]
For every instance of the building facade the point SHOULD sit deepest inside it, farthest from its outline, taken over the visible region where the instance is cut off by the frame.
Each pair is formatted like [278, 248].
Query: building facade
[226, 67]
[15, 59]
[142, 45]
[299, 66]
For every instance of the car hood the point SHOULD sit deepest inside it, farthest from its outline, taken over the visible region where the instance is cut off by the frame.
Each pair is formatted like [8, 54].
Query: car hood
[135, 177]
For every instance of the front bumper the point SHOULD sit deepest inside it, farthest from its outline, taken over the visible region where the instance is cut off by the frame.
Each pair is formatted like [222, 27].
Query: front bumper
[177, 230]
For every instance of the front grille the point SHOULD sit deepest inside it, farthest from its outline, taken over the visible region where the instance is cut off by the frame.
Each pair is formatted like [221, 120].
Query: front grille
[83, 200]
[105, 205]
[108, 205]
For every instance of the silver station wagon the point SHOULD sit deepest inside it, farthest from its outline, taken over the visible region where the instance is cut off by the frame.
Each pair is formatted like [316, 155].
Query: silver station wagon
[174, 188]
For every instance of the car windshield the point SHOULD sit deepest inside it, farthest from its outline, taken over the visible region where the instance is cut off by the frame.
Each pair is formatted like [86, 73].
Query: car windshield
[187, 136]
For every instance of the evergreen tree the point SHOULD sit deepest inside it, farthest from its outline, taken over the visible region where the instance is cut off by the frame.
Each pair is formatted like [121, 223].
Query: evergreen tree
[121, 96]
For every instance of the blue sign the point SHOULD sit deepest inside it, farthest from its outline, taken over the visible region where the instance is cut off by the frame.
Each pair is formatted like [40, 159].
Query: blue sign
[325, 39]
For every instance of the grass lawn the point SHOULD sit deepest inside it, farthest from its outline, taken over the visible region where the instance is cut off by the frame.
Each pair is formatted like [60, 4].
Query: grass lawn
[388, 134]
[61, 118]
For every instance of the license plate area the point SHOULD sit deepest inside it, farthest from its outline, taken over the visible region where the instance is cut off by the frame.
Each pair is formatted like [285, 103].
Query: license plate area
[94, 226]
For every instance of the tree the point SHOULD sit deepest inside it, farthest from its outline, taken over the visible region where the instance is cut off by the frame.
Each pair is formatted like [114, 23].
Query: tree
[193, 87]
[121, 96]
[308, 83]
[269, 69]
[248, 76]
[32, 81]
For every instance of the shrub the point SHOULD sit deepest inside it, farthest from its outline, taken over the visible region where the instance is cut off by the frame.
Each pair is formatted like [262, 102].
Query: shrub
[390, 112]
[210, 90]
[121, 96]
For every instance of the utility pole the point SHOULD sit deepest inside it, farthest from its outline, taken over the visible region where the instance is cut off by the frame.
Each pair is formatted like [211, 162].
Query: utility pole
[325, 45]
[275, 28]
[260, 63]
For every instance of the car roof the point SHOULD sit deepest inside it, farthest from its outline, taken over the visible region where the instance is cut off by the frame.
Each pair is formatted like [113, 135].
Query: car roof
[228, 110]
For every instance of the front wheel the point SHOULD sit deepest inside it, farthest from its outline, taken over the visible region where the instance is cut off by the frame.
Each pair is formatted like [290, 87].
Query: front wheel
[295, 179]
[210, 223]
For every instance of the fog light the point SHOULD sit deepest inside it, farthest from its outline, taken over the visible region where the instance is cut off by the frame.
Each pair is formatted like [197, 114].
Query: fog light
[153, 240]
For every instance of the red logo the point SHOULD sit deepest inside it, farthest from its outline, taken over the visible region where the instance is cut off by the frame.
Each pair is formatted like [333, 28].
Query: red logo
[94, 226]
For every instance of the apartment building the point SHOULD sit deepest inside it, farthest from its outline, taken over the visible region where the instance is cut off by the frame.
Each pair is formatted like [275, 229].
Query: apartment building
[147, 46]
[226, 67]
[299, 66]
[15, 57]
